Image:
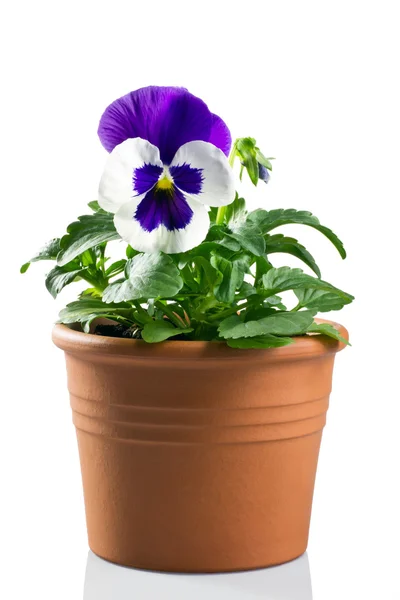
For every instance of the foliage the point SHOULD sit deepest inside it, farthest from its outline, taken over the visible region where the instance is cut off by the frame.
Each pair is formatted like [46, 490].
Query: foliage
[224, 289]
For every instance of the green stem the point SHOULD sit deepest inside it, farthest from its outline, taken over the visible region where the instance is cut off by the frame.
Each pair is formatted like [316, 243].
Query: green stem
[222, 209]
[119, 319]
[220, 215]
[143, 314]
[168, 312]
[229, 311]
[101, 261]
[99, 286]
[232, 154]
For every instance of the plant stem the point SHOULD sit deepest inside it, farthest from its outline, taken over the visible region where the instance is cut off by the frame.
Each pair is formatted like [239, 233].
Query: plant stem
[119, 319]
[168, 312]
[99, 286]
[143, 314]
[220, 215]
[101, 261]
[222, 209]
[232, 154]
[229, 311]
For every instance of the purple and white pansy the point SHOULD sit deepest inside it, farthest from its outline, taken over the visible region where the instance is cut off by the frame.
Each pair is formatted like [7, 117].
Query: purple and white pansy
[168, 161]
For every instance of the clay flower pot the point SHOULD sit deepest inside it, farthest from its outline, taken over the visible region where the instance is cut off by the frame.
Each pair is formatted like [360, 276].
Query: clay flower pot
[196, 457]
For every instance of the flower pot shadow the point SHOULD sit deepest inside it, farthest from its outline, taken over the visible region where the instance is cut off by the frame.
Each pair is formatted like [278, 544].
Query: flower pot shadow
[107, 581]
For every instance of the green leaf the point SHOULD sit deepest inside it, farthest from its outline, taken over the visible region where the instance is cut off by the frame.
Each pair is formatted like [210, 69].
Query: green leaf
[284, 278]
[59, 277]
[188, 277]
[95, 206]
[116, 268]
[24, 267]
[266, 162]
[244, 261]
[232, 274]
[88, 257]
[245, 147]
[321, 300]
[280, 323]
[288, 245]
[327, 329]
[130, 252]
[158, 331]
[215, 233]
[212, 213]
[250, 238]
[212, 275]
[147, 276]
[230, 243]
[48, 252]
[262, 341]
[87, 308]
[94, 292]
[236, 213]
[87, 232]
[262, 267]
[268, 220]
[257, 312]
[206, 249]
[260, 307]
[86, 305]
[245, 291]
[275, 301]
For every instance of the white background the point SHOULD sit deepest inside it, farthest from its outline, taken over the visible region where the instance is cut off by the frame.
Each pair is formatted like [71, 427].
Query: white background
[317, 83]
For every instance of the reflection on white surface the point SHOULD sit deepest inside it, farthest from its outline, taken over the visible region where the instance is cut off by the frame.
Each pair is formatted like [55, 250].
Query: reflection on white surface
[106, 581]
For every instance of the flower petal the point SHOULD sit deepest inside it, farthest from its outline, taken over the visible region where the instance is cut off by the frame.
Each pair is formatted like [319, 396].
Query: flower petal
[145, 177]
[187, 179]
[168, 117]
[164, 207]
[218, 184]
[186, 118]
[220, 135]
[161, 238]
[120, 182]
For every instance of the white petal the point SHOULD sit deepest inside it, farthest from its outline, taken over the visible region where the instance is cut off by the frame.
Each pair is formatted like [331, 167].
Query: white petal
[116, 184]
[171, 242]
[218, 188]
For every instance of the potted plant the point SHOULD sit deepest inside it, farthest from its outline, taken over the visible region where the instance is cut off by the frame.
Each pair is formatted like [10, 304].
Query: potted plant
[198, 394]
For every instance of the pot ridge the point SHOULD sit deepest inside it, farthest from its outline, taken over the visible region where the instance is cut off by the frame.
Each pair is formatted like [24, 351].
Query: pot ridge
[73, 340]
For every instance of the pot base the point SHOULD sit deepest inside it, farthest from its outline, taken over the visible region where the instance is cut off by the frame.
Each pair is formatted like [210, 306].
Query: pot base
[196, 508]
[157, 569]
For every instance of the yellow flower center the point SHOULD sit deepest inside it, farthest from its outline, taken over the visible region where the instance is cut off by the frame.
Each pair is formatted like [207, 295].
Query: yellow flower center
[165, 182]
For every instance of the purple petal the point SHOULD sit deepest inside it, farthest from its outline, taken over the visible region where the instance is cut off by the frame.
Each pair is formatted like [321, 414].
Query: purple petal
[167, 117]
[186, 118]
[187, 178]
[163, 207]
[220, 135]
[145, 177]
[137, 114]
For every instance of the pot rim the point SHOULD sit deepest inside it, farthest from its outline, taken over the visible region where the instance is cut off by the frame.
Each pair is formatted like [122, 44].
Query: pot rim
[77, 342]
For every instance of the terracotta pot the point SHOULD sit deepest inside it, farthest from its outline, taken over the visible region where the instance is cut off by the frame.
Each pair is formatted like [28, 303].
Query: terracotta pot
[196, 457]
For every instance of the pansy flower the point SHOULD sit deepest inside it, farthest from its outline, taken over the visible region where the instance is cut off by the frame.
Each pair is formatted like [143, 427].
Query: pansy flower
[167, 163]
